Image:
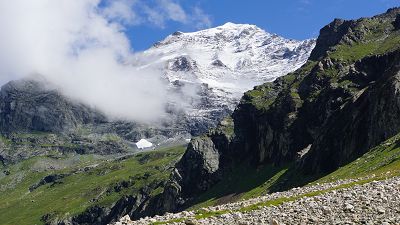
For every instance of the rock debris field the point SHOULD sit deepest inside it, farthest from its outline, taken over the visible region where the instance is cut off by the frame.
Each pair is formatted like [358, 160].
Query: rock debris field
[341, 202]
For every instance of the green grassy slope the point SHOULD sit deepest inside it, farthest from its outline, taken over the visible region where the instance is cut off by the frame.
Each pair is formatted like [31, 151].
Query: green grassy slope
[90, 180]
[378, 37]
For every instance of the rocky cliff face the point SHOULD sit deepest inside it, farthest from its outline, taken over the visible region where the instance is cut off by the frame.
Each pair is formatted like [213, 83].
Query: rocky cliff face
[31, 104]
[342, 102]
[368, 117]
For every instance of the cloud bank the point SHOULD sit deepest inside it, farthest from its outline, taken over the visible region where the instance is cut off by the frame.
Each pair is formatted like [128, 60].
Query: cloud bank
[80, 46]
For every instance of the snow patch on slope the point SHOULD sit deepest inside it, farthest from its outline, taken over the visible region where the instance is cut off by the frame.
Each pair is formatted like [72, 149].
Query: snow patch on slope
[143, 143]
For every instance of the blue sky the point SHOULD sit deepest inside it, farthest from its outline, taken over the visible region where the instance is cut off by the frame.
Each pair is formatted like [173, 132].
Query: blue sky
[297, 19]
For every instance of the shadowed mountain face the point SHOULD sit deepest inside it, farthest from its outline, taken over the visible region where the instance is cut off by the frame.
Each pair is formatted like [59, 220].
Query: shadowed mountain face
[341, 103]
[32, 105]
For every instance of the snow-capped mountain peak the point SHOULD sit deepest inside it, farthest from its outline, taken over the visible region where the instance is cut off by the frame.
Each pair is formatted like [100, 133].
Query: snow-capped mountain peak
[230, 52]
[225, 61]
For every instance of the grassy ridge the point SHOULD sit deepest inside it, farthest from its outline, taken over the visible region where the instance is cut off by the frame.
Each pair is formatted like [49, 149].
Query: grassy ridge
[378, 37]
[90, 181]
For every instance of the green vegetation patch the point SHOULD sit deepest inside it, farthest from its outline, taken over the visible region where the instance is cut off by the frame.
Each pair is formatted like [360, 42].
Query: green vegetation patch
[91, 181]
[263, 97]
[378, 37]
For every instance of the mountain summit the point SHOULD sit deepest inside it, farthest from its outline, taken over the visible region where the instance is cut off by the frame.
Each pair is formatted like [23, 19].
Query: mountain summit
[221, 63]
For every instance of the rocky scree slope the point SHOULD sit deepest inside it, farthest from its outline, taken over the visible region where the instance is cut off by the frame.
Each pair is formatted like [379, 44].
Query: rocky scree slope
[341, 202]
[341, 103]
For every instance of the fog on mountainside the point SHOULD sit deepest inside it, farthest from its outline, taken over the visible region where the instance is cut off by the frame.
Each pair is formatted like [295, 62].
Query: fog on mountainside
[73, 45]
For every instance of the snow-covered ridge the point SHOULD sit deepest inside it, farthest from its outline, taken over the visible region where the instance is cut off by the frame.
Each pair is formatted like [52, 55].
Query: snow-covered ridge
[222, 63]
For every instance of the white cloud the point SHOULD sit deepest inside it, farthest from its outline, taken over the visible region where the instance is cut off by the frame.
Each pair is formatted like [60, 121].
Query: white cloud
[73, 45]
[122, 11]
[173, 11]
[201, 19]
[155, 12]
[154, 16]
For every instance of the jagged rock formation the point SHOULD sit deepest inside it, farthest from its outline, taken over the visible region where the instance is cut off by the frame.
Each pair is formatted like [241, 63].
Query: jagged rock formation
[342, 102]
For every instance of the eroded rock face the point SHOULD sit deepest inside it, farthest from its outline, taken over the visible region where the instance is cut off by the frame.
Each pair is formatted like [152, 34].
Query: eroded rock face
[183, 63]
[340, 124]
[206, 159]
[195, 173]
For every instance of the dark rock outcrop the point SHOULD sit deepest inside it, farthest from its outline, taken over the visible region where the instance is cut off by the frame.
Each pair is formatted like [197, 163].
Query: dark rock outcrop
[369, 117]
[396, 23]
[53, 178]
[201, 160]
[183, 63]
[135, 205]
